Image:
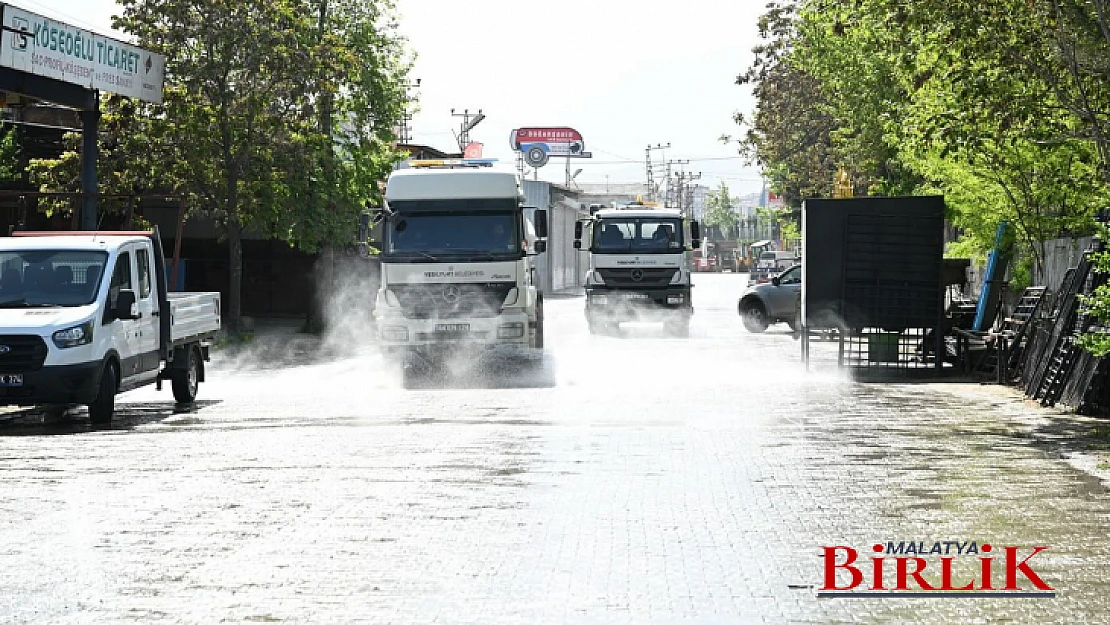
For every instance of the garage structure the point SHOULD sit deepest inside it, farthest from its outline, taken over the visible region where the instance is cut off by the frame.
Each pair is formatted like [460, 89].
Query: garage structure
[42, 59]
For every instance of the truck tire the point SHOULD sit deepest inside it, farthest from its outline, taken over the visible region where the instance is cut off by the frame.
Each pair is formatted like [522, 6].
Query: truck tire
[104, 406]
[539, 325]
[186, 381]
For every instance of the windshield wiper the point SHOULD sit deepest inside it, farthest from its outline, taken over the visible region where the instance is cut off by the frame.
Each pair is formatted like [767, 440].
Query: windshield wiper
[424, 254]
[481, 253]
[22, 303]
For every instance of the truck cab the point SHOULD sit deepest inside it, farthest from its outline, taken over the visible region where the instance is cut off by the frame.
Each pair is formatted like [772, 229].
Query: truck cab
[457, 270]
[639, 268]
[87, 315]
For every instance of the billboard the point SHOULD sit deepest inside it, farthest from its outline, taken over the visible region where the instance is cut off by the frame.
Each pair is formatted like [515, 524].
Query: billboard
[540, 144]
[38, 45]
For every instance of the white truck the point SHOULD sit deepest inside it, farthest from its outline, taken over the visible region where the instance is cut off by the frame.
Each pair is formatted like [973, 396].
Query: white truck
[639, 266]
[457, 271]
[87, 315]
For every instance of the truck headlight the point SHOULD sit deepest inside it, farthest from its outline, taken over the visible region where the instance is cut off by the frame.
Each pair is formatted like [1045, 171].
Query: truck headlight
[512, 299]
[395, 333]
[595, 277]
[75, 336]
[677, 279]
[510, 330]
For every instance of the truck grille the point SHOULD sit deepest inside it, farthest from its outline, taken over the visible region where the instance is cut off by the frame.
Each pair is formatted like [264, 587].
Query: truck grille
[20, 352]
[648, 277]
[451, 301]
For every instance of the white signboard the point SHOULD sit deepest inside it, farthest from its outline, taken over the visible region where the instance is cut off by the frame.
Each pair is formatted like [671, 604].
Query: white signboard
[67, 53]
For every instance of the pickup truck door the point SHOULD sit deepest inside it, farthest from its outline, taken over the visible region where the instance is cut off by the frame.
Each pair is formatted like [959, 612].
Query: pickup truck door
[127, 330]
[146, 298]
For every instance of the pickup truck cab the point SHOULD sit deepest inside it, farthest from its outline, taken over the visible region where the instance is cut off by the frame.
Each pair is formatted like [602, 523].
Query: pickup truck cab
[87, 315]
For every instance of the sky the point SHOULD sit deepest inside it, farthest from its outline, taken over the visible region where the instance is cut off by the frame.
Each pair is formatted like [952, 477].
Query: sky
[625, 73]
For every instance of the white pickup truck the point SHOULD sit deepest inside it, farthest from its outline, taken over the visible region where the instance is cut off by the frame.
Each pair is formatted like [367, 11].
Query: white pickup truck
[87, 315]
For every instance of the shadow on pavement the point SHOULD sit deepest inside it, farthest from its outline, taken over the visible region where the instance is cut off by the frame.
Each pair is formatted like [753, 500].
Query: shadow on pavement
[39, 422]
[1065, 435]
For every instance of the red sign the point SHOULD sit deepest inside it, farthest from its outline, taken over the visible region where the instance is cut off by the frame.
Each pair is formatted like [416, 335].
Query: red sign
[545, 135]
[538, 144]
[474, 150]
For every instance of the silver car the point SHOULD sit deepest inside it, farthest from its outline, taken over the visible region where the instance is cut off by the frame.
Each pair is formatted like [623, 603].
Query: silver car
[774, 302]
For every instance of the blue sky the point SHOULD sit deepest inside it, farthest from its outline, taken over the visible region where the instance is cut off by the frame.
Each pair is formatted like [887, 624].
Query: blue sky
[625, 73]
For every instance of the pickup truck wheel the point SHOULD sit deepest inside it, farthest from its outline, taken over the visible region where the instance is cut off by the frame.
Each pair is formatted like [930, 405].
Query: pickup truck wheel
[186, 381]
[104, 406]
[755, 317]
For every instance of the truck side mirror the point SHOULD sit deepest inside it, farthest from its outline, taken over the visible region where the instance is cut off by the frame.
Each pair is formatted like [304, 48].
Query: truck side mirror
[540, 246]
[577, 245]
[125, 305]
[695, 230]
[577, 232]
[540, 217]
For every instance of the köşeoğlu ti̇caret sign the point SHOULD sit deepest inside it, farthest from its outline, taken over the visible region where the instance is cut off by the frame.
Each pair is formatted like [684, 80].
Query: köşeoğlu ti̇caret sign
[38, 45]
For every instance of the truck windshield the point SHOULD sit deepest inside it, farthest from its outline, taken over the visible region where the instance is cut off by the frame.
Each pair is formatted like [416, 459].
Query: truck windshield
[640, 235]
[31, 278]
[441, 234]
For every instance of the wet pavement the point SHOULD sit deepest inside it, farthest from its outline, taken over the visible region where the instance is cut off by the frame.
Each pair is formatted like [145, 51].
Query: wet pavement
[632, 479]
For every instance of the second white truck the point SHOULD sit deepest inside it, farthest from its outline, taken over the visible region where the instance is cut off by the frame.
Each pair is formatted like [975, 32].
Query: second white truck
[639, 267]
[87, 315]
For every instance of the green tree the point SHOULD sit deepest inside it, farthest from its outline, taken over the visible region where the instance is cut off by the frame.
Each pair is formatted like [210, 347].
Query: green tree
[277, 118]
[790, 133]
[11, 157]
[720, 210]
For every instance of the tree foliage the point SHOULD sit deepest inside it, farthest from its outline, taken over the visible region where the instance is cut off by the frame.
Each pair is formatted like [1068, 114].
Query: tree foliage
[720, 210]
[278, 116]
[1002, 107]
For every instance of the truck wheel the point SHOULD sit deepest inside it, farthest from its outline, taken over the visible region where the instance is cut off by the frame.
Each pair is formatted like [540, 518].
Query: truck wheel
[102, 408]
[539, 325]
[186, 381]
[755, 317]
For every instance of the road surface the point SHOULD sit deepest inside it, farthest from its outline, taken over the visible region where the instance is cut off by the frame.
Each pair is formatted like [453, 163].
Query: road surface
[633, 479]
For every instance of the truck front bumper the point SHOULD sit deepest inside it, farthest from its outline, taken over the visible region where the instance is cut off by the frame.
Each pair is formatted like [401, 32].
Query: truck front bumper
[61, 384]
[398, 334]
[627, 304]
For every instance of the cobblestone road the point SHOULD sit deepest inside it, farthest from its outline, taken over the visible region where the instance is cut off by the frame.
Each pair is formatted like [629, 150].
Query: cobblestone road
[650, 480]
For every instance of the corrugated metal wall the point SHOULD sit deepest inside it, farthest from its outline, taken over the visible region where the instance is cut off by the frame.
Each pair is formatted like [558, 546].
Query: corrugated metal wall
[561, 268]
[1059, 256]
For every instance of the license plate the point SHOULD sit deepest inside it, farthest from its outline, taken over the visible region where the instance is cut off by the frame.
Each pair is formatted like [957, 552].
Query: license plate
[674, 299]
[636, 296]
[452, 327]
[11, 379]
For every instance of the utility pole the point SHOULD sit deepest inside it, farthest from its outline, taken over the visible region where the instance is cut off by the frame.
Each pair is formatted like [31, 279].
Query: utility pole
[689, 211]
[405, 135]
[470, 120]
[651, 169]
[672, 199]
